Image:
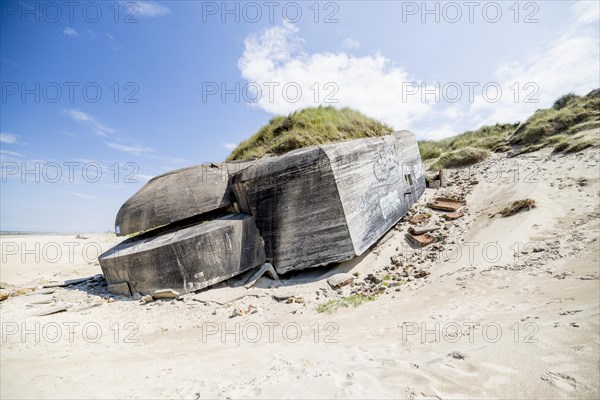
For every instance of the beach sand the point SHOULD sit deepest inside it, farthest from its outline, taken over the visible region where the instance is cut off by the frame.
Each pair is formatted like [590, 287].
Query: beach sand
[506, 307]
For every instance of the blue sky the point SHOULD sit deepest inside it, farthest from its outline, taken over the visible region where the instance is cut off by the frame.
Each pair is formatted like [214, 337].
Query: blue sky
[99, 98]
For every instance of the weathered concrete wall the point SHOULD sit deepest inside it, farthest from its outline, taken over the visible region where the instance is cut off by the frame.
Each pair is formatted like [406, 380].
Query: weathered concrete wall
[296, 206]
[187, 259]
[177, 195]
[378, 180]
[326, 204]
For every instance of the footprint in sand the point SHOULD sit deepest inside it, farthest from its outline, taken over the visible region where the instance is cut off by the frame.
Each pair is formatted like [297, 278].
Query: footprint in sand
[457, 356]
[570, 312]
[561, 381]
[499, 368]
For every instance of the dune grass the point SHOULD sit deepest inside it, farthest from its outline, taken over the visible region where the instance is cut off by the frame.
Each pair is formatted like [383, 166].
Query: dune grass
[568, 126]
[460, 158]
[490, 137]
[308, 127]
[467, 148]
[578, 142]
[569, 115]
[517, 206]
[333, 305]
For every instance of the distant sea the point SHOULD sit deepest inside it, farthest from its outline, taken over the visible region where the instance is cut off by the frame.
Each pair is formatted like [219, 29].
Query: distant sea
[48, 233]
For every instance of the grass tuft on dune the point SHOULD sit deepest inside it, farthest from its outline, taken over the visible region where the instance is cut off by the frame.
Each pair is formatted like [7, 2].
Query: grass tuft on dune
[460, 158]
[333, 305]
[488, 137]
[308, 127]
[517, 206]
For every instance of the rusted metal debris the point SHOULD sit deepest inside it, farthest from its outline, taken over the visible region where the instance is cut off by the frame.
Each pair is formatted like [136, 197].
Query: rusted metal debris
[419, 230]
[419, 218]
[445, 204]
[421, 240]
[453, 216]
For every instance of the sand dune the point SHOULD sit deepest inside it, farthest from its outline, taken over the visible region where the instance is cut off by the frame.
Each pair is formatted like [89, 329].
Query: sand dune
[510, 309]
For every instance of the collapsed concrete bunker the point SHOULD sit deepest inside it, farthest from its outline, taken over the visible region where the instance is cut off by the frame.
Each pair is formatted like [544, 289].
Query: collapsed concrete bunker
[306, 208]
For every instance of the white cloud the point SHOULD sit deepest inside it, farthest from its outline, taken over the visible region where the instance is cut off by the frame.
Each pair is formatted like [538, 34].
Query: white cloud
[230, 146]
[74, 33]
[10, 153]
[89, 121]
[149, 9]
[570, 62]
[8, 138]
[438, 132]
[452, 112]
[66, 133]
[10, 62]
[371, 84]
[70, 32]
[586, 12]
[108, 35]
[133, 149]
[100, 129]
[78, 194]
[144, 177]
[169, 159]
[351, 44]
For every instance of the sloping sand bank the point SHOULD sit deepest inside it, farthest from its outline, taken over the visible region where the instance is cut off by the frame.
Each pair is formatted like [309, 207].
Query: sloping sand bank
[510, 308]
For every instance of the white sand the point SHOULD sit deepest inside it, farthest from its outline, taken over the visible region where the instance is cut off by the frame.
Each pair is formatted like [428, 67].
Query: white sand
[500, 325]
[27, 258]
